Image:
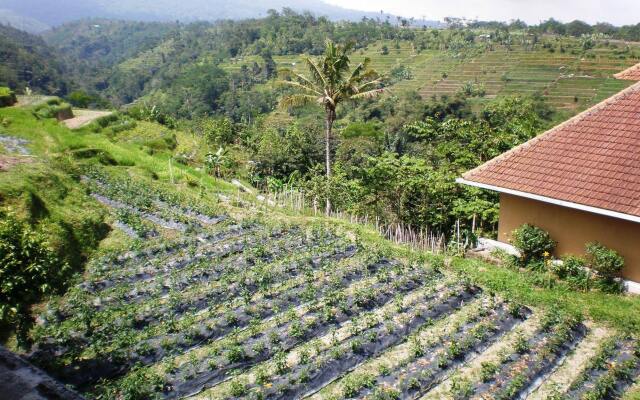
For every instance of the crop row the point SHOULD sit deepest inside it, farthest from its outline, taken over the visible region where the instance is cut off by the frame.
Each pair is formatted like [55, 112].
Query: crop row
[367, 341]
[533, 358]
[126, 332]
[609, 372]
[328, 312]
[429, 363]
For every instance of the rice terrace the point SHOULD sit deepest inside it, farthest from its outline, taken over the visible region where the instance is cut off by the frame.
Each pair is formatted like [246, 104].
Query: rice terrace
[215, 201]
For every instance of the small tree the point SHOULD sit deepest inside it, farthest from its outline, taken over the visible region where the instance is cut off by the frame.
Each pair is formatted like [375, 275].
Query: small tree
[215, 161]
[330, 83]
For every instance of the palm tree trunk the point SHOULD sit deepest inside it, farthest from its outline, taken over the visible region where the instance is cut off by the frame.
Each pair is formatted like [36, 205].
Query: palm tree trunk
[330, 117]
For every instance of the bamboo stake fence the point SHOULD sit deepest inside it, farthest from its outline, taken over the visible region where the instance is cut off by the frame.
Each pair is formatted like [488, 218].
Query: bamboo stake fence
[423, 238]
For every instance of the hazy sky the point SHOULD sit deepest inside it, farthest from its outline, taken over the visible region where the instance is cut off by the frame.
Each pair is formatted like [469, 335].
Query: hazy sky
[618, 12]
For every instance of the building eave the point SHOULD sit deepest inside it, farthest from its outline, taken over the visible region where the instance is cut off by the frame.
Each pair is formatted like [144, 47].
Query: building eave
[550, 200]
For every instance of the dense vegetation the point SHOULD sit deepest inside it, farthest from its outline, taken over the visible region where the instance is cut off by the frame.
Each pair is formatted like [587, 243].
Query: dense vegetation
[27, 61]
[396, 157]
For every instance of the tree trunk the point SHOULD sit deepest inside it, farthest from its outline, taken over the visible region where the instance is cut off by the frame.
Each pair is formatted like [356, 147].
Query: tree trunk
[330, 117]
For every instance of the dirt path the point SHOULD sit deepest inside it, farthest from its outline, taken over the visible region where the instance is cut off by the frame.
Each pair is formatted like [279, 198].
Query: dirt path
[84, 117]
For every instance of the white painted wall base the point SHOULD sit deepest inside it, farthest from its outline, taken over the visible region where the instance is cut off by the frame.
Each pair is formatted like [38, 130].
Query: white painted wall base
[632, 287]
[490, 244]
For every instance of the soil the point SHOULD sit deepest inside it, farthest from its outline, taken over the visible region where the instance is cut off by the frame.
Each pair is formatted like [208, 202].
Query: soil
[84, 117]
[8, 162]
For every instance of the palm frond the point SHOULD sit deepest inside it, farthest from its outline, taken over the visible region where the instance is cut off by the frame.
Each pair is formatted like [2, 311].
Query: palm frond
[301, 86]
[364, 86]
[316, 72]
[297, 100]
[368, 94]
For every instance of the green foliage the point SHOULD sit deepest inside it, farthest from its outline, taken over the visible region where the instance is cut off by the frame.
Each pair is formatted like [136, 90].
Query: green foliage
[571, 266]
[28, 62]
[354, 383]
[141, 384]
[534, 244]
[7, 97]
[152, 113]
[53, 108]
[605, 261]
[282, 151]
[461, 388]
[488, 371]
[29, 269]
[216, 132]
[82, 99]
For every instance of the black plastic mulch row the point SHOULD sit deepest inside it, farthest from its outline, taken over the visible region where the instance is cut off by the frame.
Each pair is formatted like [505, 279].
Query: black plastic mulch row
[423, 373]
[304, 379]
[185, 383]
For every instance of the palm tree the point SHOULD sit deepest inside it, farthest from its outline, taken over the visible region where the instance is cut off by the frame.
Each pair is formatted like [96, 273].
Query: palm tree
[331, 82]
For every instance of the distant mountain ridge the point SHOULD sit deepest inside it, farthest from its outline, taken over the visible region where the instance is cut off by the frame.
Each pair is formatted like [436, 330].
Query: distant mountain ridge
[35, 15]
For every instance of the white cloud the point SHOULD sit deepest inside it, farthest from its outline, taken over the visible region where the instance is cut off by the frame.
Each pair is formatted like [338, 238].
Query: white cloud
[618, 12]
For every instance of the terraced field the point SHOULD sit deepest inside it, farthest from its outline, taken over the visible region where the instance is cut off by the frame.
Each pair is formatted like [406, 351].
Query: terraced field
[571, 80]
[211, 307]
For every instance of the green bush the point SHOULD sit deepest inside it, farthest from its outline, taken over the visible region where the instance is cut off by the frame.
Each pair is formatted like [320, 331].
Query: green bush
[7, 97]
[606, 262]
[571, 266]
[29, 269]
[53, 108]
[534, 244]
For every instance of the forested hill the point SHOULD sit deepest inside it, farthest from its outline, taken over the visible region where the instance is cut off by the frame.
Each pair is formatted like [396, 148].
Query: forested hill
[61, 11]
[454, 98]
[27, 61]
[186, 69]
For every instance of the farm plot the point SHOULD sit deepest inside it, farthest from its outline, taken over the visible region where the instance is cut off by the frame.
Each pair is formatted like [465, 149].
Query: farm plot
[230, 309]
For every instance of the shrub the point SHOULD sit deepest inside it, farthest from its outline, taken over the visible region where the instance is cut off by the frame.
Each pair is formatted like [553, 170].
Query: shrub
[461, 388]
[606, 262]
[353, 384]
[488, 371]
[533, 243]
[571, 266]
[140, 384]
[53, 108]
[29, 269]
[7, 97]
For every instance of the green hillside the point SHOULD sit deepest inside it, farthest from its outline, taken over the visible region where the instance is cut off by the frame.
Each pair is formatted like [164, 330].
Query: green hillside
[157, 60]
[27, 61]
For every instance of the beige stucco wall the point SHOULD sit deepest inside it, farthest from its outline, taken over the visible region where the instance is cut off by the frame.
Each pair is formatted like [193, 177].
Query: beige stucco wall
[572, 229]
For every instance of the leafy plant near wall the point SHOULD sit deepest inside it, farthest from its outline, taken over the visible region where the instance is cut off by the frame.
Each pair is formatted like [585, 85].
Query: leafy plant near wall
[607, 263]
[533, 243]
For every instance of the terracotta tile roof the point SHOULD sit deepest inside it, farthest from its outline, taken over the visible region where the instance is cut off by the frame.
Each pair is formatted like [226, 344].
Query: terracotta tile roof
[592, 159]
[630, 74]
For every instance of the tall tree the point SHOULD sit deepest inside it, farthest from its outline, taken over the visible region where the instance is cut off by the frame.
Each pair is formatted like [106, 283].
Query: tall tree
[331, 81]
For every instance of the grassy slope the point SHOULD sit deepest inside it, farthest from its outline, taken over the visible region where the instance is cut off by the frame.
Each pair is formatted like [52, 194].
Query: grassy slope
[47, 190]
